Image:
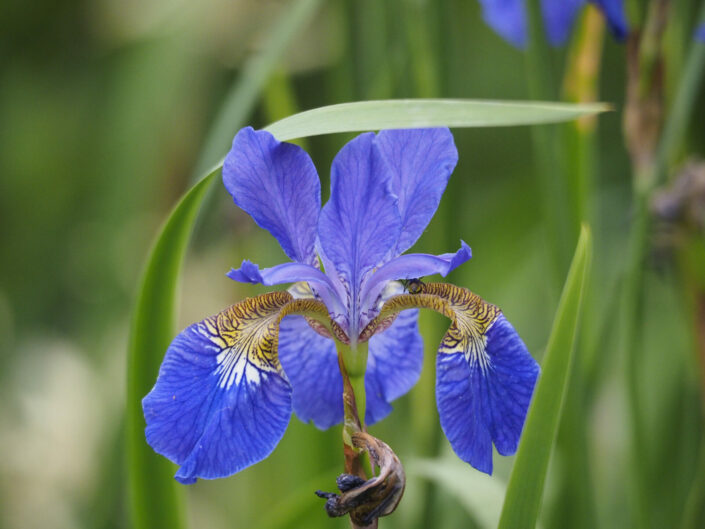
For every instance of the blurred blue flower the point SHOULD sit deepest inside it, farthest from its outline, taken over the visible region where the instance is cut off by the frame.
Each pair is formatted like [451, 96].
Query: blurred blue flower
[509, 18]
[228, 384]
[700, 33]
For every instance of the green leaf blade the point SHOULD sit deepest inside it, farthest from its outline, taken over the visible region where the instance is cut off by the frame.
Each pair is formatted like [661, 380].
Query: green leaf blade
[480, 495]
[525, 490]
[242, 97]
[417, 113]
[155, 498]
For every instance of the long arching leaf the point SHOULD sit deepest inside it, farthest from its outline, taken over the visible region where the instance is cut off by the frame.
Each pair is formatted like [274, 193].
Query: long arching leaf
[525, 489]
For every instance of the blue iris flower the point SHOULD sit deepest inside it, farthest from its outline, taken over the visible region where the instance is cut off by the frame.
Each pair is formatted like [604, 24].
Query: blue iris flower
[228, 384]
[509, 19]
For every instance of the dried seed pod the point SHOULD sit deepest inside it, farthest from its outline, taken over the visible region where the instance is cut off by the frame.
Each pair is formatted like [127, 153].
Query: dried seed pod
[366, 501]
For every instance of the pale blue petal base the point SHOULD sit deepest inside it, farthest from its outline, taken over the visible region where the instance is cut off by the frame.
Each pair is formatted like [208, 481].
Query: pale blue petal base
[310, 362]
[394, 362]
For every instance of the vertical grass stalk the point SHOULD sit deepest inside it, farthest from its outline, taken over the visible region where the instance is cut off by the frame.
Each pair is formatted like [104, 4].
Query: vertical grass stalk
[645, 179]
[561, 224]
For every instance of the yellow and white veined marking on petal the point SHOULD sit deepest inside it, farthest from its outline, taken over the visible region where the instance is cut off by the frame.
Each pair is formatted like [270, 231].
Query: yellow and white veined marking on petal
[247, 335]
[471, 316]
[473, 319]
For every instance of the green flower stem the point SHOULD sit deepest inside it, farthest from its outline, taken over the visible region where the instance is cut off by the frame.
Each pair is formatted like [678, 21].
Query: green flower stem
[696, 497]
[244, 94]
[576, 506]
[680, 111]
[630, 318]
[561, 225]
[580, 85]
[353, 362]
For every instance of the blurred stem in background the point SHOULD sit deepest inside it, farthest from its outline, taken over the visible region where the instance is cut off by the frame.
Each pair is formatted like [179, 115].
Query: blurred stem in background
[564, 168]
[575, 504]
[642, 125]
[550, 169]
[651, 147]
[245, 92]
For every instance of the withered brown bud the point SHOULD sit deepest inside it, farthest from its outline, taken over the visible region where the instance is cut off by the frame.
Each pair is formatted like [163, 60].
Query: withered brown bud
[368, 500]
[683, 201]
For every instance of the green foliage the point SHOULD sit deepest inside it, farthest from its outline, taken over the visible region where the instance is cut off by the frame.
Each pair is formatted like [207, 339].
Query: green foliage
[155, 497]
[416, 113]
[525, 489]
[481, 495]
[108, 111]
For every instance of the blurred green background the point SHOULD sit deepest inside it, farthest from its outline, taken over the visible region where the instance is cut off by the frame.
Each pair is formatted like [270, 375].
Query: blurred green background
[105, 108]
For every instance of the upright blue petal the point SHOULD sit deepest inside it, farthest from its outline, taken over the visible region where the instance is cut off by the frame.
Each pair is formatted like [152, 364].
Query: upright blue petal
[310, 362]
[615, 15]
[507, 18]
[394, 362]
[410, 266]
[421, 161]
[559, 18]
[360, 223]
[277, 184]
[220, 403]
[483, 396]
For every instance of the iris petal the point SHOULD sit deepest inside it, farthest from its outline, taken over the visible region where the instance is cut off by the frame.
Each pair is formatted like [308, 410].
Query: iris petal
[311, 364]
[221, 401]
[484, 403]
[507, 18]
[615, 15]
[310, 361]
[277, 184]
[559, 18]
[291, 273]
[420, 161]
[485, 375]
[394, 362]
[360, 223]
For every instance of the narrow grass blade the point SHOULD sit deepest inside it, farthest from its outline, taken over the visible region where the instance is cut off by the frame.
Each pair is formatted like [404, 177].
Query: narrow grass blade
[241, 99]
[525, 489]
[155, 498]
[154, 495]
[480, 494]
[410, 113]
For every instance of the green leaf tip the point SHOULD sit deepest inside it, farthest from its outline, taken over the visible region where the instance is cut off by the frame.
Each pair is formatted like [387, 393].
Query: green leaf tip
[417, 113]
[525, 490]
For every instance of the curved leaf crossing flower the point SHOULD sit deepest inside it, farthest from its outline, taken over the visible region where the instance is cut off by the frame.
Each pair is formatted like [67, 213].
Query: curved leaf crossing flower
[509, 19]
[228, 384]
